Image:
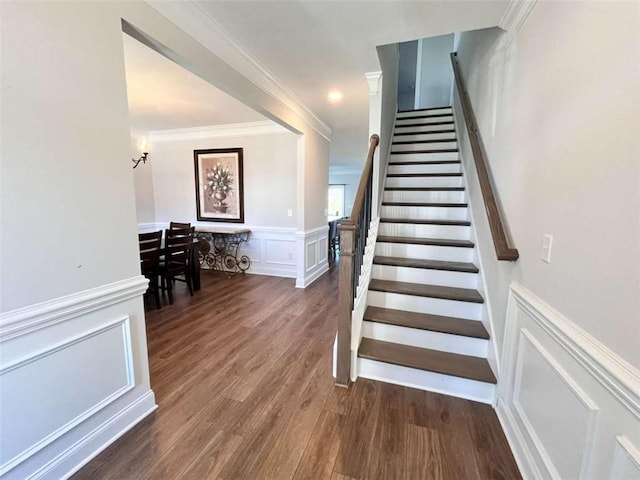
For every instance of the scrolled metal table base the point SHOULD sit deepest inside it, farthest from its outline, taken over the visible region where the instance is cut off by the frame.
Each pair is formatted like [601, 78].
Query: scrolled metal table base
[219, 251]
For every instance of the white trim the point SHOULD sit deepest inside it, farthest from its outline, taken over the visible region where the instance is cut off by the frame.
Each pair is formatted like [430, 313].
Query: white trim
[124, 324]
[76, 456]
[246, 129]
[35, 317]
[192, 18]
[313, 251]
[373, 80]
[614, 373]
[514, 17]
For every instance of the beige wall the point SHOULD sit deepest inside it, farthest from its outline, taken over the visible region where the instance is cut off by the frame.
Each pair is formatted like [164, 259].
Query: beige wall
[559, 110]
[313, 181]
[269, 178]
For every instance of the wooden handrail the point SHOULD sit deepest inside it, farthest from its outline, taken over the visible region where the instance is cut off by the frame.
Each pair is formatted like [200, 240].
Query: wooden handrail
[353, 238]
[366, 172]
[500, 242]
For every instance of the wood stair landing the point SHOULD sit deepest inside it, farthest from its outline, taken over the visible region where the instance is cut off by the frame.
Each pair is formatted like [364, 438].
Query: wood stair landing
[472, 368]
[425, 321]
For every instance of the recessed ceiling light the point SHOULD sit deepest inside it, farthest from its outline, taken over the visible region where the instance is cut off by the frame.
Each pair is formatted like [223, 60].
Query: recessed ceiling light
[334, 96]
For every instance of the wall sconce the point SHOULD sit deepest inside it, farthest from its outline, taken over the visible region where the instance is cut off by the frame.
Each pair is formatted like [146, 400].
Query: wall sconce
[142, 159]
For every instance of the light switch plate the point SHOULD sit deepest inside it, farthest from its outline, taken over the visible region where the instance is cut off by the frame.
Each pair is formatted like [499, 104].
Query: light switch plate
[545, 251]
[290, 213]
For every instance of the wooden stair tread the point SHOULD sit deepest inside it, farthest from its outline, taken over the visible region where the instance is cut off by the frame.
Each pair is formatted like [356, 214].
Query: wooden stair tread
[425, 204]
[433, 140]
[439, 242]
[443, 130]
[426, 321]
[435, 150]
[426, 162]
[428, 115]
[425, 290]
[425, 189]
[423, 124]
[439, 174]
[425, 109]
[427, 221]
[427, 264]
[453, 364]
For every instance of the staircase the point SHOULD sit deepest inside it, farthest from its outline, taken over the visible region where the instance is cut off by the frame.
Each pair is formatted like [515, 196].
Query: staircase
[423, 322]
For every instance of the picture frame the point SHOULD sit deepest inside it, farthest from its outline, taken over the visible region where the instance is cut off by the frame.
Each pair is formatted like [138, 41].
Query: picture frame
[219, 184]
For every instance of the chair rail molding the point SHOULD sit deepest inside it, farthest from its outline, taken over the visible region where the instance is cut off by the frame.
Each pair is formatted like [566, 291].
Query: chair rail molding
[564, 398]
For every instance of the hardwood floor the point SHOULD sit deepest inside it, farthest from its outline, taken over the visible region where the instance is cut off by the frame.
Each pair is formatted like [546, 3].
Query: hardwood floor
[242, 377]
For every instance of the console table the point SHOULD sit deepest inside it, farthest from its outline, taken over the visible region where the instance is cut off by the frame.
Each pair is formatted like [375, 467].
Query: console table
[219, 249]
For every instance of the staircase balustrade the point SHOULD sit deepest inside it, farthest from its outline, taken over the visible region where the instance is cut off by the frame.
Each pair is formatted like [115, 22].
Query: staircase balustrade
[353, 240]
[500, 242]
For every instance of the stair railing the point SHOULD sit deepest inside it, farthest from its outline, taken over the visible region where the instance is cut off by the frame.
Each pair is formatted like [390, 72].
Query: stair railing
[500, 242]
[353, 240]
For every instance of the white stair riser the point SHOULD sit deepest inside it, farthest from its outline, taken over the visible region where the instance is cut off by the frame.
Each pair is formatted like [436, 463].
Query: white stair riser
[424, 182]
[425, 276]
[446, 213]
[425, 136]
[429, 381]
[427, 252]
[411, 121]
[428, 168]
[414, 113]
[436, 196]
[435, 306]
[424, 231]
[444, 342]
[412, 147]
[423, 157]
[422, 128]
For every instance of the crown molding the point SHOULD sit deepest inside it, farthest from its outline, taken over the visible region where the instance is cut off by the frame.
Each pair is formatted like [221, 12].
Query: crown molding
[247, 129]
[515, 15]
[192, 18]
[374, 79]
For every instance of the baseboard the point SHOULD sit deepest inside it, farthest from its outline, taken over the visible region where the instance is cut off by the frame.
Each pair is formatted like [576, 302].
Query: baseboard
[88, 447]
[521, 454]
[311, 277]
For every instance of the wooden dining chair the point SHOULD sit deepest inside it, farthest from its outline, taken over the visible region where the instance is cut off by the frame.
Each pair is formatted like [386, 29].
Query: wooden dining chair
[177, 252]
[150, 248]
[178, 225]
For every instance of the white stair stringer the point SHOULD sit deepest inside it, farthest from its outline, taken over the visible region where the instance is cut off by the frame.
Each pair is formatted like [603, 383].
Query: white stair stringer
[429, 381]
[360, 302]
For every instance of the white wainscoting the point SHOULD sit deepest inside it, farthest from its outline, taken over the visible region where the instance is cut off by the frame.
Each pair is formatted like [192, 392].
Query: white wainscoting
[570, 407]
[313, 249]
[73, 378]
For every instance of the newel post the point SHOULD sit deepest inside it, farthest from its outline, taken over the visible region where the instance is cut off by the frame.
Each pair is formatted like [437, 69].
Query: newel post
[347, 229]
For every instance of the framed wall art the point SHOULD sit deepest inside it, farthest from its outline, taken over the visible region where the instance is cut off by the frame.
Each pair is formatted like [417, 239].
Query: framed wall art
[219, 185]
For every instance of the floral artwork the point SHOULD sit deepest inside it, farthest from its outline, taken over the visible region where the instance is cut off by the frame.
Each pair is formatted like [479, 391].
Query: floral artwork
[219, 194]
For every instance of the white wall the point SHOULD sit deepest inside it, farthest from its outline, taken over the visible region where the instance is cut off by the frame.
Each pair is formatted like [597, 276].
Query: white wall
[350, 182]
[143, 181]
[73, 372]
[557, 104]
[269, 178]
[434, 77]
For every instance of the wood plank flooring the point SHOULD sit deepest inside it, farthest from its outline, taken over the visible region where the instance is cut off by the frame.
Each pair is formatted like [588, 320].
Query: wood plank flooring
[242, 377]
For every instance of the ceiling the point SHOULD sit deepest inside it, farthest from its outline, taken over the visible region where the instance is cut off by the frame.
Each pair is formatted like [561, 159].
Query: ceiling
[163, 95]
[310, 46]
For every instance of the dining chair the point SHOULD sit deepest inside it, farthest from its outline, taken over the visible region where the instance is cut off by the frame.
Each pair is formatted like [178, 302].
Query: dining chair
[178, 225]
[177, 252]
[150, 248]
